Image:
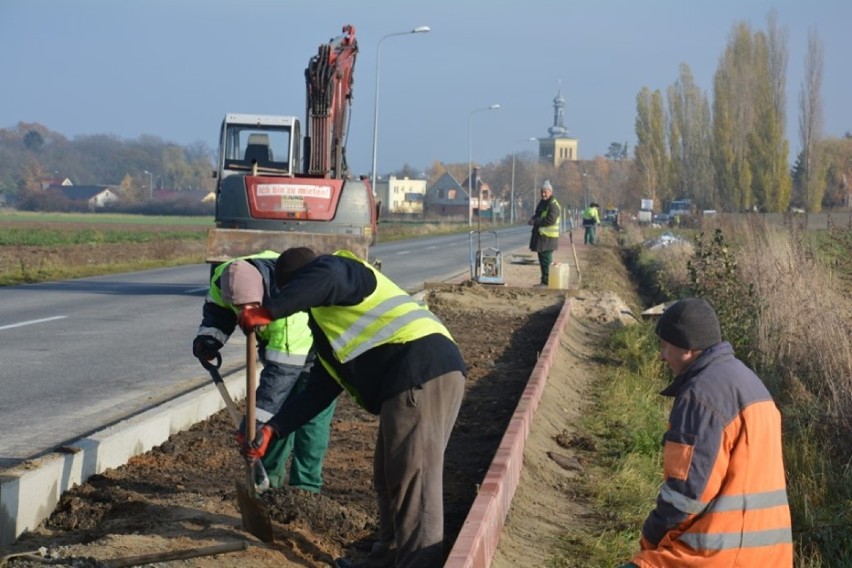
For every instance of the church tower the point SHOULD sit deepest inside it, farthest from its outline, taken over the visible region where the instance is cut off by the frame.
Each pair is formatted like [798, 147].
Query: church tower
[558, 147]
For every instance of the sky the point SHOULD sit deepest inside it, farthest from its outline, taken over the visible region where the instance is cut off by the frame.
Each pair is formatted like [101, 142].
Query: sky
[173, 68]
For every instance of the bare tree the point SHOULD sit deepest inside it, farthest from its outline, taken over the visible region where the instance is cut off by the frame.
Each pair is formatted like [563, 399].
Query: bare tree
[810, 125]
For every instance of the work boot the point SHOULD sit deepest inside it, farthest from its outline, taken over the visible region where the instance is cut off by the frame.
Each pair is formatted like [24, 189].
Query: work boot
[382, 555]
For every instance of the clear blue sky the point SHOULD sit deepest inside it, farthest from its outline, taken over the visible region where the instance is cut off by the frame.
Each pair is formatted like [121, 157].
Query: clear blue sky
[173, 68]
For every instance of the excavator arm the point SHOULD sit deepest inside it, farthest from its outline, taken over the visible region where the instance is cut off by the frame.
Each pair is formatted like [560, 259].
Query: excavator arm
[329, 79]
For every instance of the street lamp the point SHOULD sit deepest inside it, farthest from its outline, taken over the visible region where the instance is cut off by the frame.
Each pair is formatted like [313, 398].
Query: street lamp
[586, 187]
[150, 185]
[417, 30]
[512, 207]
[470, 163]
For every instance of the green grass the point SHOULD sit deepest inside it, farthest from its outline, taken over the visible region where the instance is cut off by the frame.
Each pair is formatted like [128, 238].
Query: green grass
[624, 472]
[104, 218]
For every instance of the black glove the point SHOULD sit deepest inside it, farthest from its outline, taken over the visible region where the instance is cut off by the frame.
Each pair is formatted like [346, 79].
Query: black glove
[206, 347]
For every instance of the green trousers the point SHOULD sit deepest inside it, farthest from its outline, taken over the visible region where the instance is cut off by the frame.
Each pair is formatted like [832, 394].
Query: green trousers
[308, 445]
[545, 259]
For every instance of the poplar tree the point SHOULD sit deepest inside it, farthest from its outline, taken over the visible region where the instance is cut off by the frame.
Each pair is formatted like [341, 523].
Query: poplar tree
[690, 140]
[811, 165]
[650, 150]
[749, 144]
[733, 119]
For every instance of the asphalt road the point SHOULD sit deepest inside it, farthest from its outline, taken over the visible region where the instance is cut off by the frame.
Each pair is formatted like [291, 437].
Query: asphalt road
[78, 355]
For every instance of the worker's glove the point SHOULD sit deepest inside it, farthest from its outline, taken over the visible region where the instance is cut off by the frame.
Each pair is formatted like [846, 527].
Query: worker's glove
[256, 449]
[252, 318]
[206, 347]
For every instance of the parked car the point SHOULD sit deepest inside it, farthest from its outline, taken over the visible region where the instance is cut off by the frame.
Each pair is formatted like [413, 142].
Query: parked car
[610, 217]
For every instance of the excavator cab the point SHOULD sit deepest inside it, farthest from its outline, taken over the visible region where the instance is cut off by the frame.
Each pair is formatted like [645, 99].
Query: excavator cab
[270, 142]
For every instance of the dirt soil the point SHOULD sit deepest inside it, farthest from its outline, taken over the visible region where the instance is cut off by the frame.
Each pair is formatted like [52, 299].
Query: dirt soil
[181, 495]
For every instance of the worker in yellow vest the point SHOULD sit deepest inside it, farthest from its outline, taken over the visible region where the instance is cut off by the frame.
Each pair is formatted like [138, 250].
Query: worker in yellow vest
[398, 361]
[285, 348]
[591, 219]
[545, 230]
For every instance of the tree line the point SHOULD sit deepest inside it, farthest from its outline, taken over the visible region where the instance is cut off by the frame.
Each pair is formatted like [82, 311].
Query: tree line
[31, 153]
[731, 153]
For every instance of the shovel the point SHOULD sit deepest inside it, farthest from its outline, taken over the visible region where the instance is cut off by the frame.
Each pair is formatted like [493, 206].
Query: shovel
[261, 479]
[254, 511]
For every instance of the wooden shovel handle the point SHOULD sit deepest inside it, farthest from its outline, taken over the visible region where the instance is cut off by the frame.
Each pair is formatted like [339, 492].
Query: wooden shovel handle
[251, 377]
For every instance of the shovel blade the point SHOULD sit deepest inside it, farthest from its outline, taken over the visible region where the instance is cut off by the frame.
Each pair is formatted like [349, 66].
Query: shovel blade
[255, 514]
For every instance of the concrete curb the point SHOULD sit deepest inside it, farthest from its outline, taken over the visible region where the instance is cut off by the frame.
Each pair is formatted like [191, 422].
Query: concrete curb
[477, 541]
[30, 492]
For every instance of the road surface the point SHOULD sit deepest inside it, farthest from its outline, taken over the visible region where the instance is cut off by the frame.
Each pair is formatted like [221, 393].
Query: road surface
[78, 355]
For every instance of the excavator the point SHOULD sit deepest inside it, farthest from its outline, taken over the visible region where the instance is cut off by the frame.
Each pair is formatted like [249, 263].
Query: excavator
[276, 189]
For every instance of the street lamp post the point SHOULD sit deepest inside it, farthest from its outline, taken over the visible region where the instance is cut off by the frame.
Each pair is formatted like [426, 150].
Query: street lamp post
[586, 187]
[470, 162]
[512, 207]
[150, 185]
[417, 30]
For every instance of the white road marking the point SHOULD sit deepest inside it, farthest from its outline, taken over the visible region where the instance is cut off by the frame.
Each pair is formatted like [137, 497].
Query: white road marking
[194, 290]
[31, 322]
[403, 252]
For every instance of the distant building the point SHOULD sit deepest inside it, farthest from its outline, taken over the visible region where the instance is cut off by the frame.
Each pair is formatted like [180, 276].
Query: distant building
[401, 196]
[50, 182]
[96, 196]
[448, 198]
[558, 147]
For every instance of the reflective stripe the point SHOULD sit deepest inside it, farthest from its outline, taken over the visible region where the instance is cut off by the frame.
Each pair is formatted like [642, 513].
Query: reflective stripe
[727, 541]
[213, 332]
[749, 502]
[680, 501]
[282, 358]
[369, 318]
[261, 415]
[389, 330]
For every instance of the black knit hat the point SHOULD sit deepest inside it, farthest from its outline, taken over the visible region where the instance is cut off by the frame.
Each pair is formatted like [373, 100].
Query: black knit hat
[290, 261]
[690, 323]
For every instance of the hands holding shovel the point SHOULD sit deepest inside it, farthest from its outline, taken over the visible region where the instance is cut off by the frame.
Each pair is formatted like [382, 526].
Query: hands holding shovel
[255, 449]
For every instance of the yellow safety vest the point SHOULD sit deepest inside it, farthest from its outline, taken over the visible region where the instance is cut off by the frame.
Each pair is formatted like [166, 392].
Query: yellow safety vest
[551, 231]
[287, 340]
[387, 315]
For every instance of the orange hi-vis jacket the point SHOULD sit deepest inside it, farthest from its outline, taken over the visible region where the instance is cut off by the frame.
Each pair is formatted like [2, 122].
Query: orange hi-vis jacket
[723, 502]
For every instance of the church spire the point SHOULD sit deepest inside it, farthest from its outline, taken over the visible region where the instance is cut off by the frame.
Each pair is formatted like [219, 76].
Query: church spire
[558, 129]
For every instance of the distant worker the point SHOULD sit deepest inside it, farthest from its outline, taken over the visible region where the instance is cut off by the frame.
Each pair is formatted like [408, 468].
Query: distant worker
[723, 501]
[545, 230]
[591, 219]
[398, 361]
[286, 351]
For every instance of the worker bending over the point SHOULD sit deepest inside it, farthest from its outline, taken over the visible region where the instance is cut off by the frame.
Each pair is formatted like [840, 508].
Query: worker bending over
[285, 348]
[398, 361]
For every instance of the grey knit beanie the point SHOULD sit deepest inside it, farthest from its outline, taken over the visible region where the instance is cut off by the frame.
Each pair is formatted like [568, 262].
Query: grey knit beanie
[690, 323]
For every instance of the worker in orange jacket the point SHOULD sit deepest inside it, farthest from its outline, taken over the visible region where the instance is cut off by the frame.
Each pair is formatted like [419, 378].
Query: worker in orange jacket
[723, 501]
